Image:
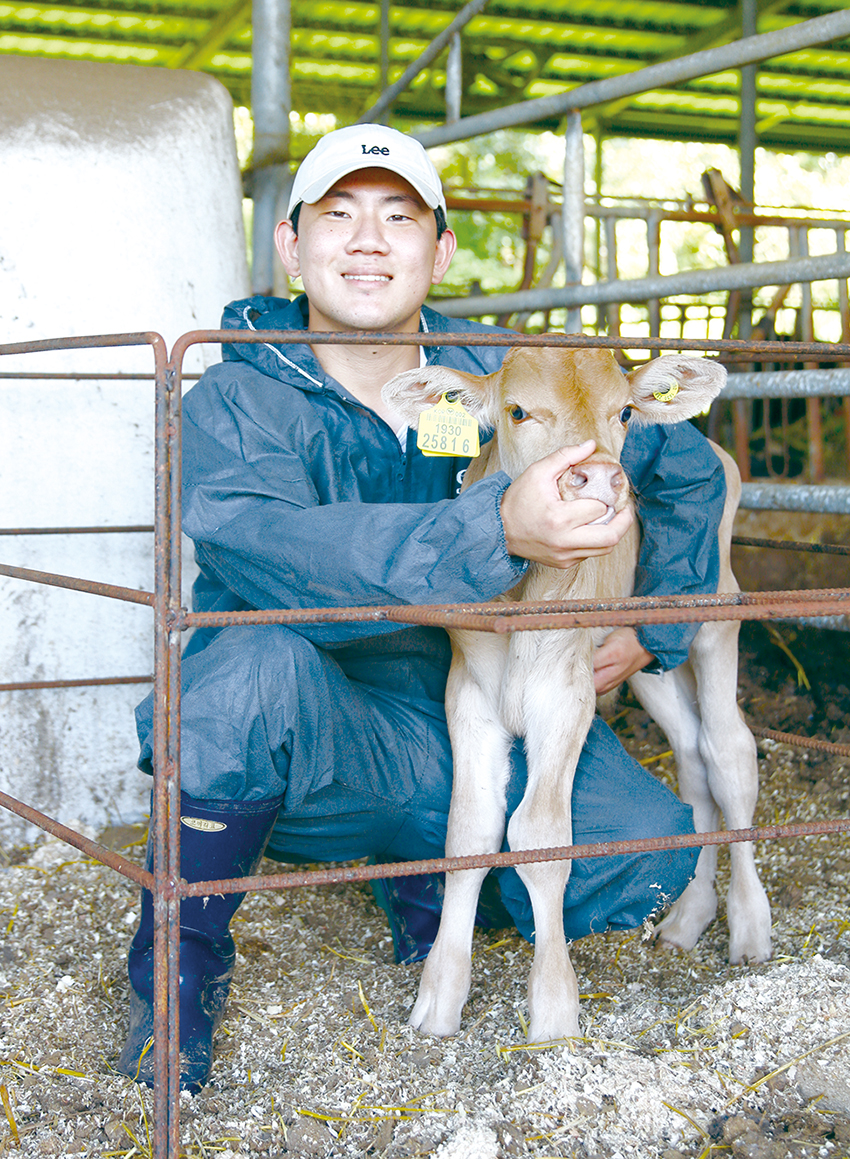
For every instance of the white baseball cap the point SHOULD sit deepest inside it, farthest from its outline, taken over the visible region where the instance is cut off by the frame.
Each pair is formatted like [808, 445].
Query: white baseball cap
[344, 151]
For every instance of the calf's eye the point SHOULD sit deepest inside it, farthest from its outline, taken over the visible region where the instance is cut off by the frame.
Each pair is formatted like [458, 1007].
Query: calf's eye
[625, 414]
[517, 413]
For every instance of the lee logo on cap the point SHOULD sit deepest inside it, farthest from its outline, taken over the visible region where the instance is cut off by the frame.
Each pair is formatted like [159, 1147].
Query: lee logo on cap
[382, 149]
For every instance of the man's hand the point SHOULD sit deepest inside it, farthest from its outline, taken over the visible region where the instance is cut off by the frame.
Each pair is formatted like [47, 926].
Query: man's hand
[619, 657]
[541, 526]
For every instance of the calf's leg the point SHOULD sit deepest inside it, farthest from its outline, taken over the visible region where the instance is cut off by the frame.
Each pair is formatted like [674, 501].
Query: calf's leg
[557, 723]
[476, 824]
[718, 773]
[729, 751]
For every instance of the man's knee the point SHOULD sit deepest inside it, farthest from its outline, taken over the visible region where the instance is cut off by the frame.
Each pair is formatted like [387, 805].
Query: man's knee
[240, 698]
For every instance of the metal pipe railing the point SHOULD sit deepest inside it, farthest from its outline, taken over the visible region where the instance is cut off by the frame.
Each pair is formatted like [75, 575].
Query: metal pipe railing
[788, 384]
[819, 498]
[735, 277]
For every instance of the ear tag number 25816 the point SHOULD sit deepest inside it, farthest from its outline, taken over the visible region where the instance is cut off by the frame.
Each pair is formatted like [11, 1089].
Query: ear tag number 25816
[448, 429]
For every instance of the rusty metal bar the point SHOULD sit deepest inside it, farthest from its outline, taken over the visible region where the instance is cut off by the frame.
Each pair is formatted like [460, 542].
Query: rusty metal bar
[803, 742]
[74, 376]
[148, 527]
[790, 545]
[92, 587]
[91, 682]
[89, 342]
[92, 849]
[823, 351]
[517, 616]
[166, 785]
[513, 857]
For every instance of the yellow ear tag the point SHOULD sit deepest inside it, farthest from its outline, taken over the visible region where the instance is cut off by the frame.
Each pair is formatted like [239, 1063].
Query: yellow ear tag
[667, 395]
[448, 429]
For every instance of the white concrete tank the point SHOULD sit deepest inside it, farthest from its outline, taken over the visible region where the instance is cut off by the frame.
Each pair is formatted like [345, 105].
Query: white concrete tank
[120, 210]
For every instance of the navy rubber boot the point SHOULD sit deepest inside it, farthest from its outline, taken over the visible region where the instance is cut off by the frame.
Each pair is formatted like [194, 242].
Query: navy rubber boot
[218, 839]
[413, 906]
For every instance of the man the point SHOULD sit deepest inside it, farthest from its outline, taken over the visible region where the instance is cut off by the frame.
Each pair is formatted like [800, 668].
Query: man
[303, 489]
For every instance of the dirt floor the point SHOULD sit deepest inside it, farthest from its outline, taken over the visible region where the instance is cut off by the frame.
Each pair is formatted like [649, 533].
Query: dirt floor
[681, 1054]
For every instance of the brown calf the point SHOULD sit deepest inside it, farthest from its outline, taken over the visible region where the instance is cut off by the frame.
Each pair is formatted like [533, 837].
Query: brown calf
[539, 685]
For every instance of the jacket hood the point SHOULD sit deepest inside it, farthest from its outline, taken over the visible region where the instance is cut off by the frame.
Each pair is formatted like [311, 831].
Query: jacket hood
[276, 361]
[279, 361]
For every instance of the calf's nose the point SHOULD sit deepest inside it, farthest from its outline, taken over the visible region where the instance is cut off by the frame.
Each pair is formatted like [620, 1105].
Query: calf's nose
[602, 481]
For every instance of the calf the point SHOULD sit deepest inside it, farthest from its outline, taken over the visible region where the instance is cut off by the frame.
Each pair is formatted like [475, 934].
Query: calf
[539, 685]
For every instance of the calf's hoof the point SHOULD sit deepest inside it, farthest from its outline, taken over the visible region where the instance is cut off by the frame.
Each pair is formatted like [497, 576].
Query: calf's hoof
[553, 1030]
[749, 927]
[431, 1016]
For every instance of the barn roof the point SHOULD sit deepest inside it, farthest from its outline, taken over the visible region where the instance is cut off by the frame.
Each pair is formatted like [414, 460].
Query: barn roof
[514, 50]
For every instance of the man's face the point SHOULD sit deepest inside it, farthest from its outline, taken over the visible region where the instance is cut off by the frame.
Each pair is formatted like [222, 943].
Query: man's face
[367, 254]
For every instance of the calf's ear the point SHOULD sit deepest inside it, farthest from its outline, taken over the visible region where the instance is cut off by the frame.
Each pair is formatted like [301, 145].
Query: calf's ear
[414, 391]
[674, 388]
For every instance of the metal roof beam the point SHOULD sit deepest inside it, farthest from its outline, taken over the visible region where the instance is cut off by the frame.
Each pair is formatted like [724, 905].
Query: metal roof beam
[722, 33]
[748, 51]
[220, 31]
[431, 53]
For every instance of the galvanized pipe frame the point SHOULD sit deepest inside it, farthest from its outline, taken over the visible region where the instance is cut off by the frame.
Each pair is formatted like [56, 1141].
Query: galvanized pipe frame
[824, 267]
[171, 619]
[750, 50]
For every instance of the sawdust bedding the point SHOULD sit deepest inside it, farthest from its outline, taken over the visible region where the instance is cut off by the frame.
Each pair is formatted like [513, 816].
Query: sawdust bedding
[681, 1055]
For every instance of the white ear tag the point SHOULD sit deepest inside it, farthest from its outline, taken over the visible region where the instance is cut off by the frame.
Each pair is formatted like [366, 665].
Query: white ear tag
[667, 395]
[448, 429]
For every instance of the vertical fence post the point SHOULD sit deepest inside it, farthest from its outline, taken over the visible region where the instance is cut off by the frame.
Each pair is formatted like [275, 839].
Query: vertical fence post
[573, 211]
[454, 80]
[166, 789]
[844, 313]
[747, 141]
[611, 272]
[653, 244]
[807, 328]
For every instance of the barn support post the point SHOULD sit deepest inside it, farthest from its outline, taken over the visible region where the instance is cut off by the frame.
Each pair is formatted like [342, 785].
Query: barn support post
[271, 101]
[385, 54]
[573, 212]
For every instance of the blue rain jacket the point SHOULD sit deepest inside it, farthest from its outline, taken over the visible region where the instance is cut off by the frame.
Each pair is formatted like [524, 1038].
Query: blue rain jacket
[298, 496]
